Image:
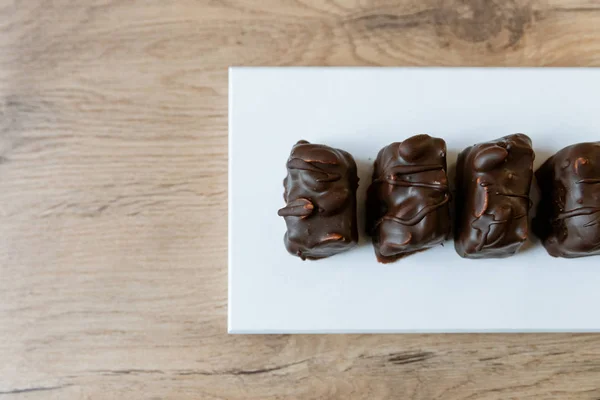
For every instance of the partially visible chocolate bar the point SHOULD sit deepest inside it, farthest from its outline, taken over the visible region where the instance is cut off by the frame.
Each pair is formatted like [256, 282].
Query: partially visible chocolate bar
[320, 195]
[408, 200]
[493, 180]
[568, 215]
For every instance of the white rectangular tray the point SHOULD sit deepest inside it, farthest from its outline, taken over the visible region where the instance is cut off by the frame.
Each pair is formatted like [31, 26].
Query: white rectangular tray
[361, 110]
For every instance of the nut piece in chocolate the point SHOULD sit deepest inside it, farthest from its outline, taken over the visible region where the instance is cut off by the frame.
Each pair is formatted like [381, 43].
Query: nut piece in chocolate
[568, 215]
[493, 180]
[320, 195]
[408, 200]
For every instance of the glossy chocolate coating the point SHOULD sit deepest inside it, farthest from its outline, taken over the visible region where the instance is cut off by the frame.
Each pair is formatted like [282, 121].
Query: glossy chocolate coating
[320, 195]
[568, 215]
[493, 180]
[407, 203]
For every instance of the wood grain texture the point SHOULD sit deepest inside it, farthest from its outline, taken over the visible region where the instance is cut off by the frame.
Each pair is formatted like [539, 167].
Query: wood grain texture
[113, 199]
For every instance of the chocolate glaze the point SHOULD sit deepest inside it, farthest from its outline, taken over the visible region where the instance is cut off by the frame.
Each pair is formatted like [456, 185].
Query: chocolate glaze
[407, 202]
[320, 192]
[568, 215]
[493, 180]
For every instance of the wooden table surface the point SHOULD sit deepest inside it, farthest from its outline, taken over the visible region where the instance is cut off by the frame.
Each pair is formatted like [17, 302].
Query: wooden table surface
[113, 199]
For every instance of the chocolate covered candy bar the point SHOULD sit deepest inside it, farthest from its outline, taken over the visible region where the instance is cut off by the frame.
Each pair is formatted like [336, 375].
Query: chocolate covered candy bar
[408, 200]
[493, 180]
[568, 215]
[320, 195]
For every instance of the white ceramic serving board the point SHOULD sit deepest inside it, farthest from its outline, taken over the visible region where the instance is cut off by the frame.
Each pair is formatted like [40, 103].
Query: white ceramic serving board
[361, 110]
